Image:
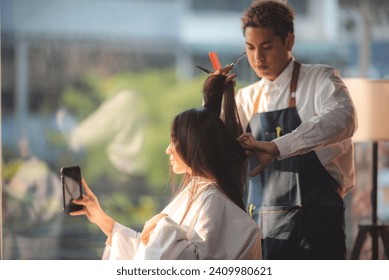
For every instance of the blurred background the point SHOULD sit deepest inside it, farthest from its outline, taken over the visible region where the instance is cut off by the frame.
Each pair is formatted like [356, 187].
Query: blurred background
[96, 83]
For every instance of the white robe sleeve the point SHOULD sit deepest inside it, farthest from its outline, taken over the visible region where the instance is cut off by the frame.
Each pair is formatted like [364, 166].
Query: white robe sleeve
[125, 243]
[169, 241]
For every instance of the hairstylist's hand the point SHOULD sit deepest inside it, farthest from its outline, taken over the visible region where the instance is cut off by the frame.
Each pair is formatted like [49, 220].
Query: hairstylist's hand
[93, 211]
[150, 226]
[247, 141]
[226, 71]
[264, 152]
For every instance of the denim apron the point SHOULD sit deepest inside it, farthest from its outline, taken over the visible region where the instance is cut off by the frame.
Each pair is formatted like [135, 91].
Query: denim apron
[294, 200]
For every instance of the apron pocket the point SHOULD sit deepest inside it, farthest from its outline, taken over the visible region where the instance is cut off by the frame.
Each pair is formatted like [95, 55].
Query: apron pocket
[281, 222]
[281, 228]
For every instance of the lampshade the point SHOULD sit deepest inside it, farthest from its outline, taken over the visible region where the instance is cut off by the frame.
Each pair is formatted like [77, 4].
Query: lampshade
[371, 99]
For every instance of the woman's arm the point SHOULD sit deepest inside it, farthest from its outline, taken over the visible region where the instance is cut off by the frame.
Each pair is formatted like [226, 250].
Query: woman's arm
[94, 212]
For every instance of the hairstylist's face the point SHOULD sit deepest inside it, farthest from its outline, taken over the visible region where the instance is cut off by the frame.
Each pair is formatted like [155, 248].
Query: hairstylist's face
[266, 52]
[178, 165]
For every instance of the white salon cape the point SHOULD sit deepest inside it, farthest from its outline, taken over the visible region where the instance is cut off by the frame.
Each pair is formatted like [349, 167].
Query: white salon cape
[214, 228]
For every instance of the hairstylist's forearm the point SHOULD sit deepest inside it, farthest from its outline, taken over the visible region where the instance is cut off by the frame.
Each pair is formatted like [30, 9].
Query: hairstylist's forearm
[273, 149]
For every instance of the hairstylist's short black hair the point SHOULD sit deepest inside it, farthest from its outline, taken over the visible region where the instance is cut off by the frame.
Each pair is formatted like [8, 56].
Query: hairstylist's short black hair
[269, 14]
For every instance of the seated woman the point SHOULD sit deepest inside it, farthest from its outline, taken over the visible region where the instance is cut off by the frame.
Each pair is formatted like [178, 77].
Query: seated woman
[206, 218]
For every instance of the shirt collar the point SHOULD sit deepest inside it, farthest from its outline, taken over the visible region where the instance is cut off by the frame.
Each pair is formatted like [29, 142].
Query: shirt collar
[283, 78]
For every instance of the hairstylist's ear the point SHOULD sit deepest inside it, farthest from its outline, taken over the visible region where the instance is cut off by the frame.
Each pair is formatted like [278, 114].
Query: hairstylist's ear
[289, 41]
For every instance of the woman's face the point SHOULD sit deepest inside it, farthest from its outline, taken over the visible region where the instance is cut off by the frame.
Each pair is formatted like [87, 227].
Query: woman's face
[178, 165]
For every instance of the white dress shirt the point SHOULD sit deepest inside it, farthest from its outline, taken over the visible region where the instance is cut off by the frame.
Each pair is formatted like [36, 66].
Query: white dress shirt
[326, 111]
[214, 228]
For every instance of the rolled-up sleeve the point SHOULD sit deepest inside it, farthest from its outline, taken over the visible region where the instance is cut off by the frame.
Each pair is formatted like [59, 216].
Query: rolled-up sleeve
[333, 120]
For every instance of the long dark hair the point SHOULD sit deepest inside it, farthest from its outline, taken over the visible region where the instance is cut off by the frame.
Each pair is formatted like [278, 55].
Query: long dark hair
[205, 138]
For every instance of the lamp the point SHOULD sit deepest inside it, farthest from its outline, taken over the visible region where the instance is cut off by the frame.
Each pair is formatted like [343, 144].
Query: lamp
[371, 99]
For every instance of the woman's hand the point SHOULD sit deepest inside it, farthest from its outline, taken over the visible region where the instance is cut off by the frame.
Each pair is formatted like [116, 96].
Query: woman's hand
[150, 226]
[91, 205]
[265, 152]
[93, 211]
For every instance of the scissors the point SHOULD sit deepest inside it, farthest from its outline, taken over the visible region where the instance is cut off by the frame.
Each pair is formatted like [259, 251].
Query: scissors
[230, 65]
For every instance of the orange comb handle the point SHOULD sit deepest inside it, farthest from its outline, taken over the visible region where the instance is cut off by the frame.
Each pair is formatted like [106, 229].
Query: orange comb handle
[215, 60]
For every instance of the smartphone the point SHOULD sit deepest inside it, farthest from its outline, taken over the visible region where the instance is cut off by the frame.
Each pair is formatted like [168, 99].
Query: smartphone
[71, 188]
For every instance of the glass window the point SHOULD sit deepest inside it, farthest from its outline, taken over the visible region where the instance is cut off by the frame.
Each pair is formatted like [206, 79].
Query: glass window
[97, 83]
[220, 5]
[299, 6]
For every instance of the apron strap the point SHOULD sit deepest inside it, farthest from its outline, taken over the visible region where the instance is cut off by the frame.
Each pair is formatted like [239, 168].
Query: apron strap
[293, 84]
[256, 102]
[292, 88]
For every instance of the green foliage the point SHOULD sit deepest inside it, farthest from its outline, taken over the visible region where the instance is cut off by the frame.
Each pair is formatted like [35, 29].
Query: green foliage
[160, 96]
[10, 168]
[164, 97]
[84, 97]
[126, 211]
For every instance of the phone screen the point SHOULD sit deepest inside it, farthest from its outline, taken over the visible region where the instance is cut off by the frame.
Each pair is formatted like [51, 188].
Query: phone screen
[71, 188]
